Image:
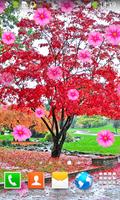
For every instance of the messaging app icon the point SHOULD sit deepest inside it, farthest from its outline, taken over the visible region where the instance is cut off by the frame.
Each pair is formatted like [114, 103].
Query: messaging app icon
[12, 180]
[59, 180]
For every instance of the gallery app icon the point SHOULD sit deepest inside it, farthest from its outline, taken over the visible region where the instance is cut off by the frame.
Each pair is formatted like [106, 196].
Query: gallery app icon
[59, 180]
[12, 180]
[36, 180]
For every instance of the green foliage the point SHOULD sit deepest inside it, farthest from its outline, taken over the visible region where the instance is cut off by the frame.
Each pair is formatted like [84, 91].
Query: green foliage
[88, 122]
[8, 18]
[73, 125]
[69, 137]
[48, 137]
[95, 4]
[30, 31]
[116, 125]
[6, 143]
[15, 3]
[6, 137]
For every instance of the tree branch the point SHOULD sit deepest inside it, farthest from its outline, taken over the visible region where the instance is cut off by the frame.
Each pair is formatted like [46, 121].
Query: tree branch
[47, 125]
[55, 121]
[66, 127]
[62, 118]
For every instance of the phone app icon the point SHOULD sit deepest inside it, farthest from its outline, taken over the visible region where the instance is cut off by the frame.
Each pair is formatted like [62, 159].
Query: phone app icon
[12, 180]
[36, 180]
[60, 180]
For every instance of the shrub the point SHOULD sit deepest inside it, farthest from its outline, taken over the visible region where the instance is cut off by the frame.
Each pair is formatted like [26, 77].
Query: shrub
[6, 143]
[69, 138]
[116, 125]
[91, 122]
[36, 134]
[48, 137]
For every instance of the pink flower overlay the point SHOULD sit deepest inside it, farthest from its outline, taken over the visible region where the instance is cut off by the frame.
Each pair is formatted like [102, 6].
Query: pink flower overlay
[42, 16]
[95, 39]
[21, 133]
[54, 73]
[84, 55]
[2, 6]
[105, 138]
[8, 37]
[66, 6]
[73, 94]
[113, 34]
[6, 79]
[39, 112]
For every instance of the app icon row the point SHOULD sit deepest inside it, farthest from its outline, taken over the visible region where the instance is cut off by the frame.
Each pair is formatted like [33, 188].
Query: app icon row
[36, 180]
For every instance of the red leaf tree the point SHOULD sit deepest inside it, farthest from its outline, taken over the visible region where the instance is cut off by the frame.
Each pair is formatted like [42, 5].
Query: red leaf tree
[47, 80]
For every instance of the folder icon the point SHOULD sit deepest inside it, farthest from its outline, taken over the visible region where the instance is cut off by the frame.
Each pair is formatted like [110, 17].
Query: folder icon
[59, 180]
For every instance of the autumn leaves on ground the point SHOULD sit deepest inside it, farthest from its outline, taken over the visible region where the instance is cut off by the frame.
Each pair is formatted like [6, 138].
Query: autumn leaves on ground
[25, 161]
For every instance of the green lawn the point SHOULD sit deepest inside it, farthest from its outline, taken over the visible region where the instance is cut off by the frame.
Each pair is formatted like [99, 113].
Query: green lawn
[88, 144]
[94, 130]
[6, 137]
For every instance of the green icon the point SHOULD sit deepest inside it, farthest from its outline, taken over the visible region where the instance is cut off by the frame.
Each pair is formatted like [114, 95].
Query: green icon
[95, 4]
[15, 3]
[12, 180]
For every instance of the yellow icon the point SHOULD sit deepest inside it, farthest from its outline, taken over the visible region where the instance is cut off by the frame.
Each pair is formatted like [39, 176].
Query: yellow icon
[33, 4]
[60, 180]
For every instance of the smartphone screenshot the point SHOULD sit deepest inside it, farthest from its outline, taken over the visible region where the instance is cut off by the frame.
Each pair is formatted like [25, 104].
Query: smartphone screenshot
[60, 99]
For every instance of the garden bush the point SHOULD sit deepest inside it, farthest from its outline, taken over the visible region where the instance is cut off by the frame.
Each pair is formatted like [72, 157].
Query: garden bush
[91, 122]
[6, 143]
[69, 138]
[48, 137]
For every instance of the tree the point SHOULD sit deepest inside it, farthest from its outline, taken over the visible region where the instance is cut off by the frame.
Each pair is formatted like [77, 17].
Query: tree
[116, 125]
[89, 122]
[11, 118]
[61, 81]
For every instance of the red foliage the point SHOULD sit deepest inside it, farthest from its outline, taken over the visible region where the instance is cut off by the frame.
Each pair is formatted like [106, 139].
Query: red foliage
[63, 41]
[10, 119]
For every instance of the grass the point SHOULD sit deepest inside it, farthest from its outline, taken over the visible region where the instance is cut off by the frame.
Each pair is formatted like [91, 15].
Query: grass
[88, 144]
[71, 131]
[94, 130]
[39, 139]
[6, 137]
[10, 138]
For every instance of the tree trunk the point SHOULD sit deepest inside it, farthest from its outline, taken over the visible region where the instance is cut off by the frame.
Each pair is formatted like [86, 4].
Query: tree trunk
[59, 135]
[56, 151]
[58, 144]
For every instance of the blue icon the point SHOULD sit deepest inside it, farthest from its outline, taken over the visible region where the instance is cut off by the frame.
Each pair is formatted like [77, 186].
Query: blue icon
[83, 180]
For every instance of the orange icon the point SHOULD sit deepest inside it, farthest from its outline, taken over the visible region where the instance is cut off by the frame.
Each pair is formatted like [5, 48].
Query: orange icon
[36, 180]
